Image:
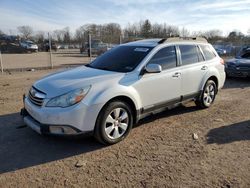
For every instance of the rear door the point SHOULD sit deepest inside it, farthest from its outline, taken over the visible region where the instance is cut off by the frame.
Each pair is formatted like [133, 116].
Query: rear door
[193, 69]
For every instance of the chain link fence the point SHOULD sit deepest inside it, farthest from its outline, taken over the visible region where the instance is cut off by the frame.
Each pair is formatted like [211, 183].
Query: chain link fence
[14, 56]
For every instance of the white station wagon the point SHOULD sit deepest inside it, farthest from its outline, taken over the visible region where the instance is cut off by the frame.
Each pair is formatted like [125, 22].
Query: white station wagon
[122, 86]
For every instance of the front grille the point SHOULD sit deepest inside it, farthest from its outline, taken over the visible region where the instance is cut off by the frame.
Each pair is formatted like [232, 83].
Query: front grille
[36, 97]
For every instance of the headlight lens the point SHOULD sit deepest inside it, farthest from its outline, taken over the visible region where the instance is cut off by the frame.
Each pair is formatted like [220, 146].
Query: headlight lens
[69, 99]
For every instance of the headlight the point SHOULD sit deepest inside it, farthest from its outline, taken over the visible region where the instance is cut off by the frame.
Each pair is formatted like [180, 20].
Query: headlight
[69, 99]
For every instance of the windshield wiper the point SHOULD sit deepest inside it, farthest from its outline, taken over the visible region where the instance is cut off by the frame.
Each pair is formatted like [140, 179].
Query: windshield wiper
[101, 68]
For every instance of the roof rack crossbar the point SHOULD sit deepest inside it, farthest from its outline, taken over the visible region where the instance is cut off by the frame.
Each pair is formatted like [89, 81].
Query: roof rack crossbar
[162, 41]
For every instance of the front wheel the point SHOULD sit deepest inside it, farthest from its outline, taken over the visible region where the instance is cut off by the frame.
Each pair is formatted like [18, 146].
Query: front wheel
[113, 123]
[208, 95]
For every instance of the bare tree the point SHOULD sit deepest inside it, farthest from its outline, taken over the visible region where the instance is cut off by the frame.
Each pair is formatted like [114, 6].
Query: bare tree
[80, 34]
[39, 37]
[184, 32]
[26, 31]
[66, 35]
[131, 31]
[58, 35]
[111, 33]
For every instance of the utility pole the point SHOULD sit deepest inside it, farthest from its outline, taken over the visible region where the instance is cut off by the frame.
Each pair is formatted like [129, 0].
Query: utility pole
[50, 51]
[1, 62]
[90, 50]
[120, 39]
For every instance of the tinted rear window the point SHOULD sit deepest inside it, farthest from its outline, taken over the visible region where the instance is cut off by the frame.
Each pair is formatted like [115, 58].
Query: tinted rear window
[121, 58]
[188, 54]
[208, 53]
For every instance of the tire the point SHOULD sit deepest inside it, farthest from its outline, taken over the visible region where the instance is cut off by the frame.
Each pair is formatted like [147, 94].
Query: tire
[208, 95]
[114, 123]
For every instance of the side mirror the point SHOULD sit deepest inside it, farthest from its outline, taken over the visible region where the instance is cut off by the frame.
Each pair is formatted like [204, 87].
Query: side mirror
[153, 68]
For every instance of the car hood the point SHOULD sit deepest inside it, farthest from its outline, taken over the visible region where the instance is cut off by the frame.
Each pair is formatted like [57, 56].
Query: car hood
[62, 82]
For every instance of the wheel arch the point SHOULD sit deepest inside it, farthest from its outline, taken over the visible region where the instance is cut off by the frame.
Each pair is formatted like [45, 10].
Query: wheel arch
[127, 100]
[215, 79]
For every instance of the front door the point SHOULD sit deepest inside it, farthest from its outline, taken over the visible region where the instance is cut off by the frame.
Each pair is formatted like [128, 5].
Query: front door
[157, 90]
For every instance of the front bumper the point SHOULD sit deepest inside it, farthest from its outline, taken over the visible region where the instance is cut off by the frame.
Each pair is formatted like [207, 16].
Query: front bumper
[32, 49]
[49, 129]
[74, 120]
[237, 72]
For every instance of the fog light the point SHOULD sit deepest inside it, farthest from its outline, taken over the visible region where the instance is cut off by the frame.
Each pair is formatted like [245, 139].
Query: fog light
[61, 130]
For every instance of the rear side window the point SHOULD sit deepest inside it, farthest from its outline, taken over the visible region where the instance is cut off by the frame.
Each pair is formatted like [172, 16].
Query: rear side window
[166, 57]
[208, 53]
[189, 54]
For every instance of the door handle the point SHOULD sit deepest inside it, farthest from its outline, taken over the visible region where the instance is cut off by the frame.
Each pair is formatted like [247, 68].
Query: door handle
[204, 68]
[176, 75]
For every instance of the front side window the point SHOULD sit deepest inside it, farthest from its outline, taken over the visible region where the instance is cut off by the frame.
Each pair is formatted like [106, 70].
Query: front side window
[189, 54]
[165, 57]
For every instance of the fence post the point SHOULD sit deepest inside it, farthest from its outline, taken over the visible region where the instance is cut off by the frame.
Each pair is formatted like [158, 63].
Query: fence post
[90, 50]
[120, 39]
[50, 52]
[1, 62]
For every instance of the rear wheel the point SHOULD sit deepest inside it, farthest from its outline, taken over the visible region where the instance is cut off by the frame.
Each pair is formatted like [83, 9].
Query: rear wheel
[113, 123]
[208, 95]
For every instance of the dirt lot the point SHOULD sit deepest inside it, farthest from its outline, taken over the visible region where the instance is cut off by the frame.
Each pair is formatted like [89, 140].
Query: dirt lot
[159, 152]
[42, 59]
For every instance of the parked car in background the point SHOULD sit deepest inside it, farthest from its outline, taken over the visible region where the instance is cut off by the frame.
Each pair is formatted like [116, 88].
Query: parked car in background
[97, 47]
[124, 85]
[240, 65]
[29, 45]
[46, 46]
[221, 51]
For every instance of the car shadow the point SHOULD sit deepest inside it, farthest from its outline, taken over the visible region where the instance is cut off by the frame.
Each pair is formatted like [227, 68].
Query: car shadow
[21, 147]
[231, 133]
[237, 83]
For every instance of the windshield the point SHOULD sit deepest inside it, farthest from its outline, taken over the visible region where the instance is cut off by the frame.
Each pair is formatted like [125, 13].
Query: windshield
[29, 42]
[121, 58]
[246, 55]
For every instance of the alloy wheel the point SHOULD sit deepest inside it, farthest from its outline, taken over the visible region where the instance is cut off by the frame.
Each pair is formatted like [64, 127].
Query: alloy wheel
[209, 95]
[116, 123]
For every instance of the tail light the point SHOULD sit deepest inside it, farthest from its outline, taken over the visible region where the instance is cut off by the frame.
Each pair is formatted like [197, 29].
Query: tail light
[222, 61]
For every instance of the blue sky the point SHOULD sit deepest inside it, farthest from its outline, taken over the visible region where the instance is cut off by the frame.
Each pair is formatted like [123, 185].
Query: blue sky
[195, 15]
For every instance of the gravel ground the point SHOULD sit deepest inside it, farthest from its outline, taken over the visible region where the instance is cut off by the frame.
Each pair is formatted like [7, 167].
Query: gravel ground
[159, 152]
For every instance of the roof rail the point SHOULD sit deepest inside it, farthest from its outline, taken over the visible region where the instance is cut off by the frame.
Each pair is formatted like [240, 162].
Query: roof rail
[177, 39]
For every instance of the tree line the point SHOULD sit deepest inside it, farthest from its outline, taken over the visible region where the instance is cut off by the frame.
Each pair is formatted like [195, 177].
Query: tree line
[113, 33]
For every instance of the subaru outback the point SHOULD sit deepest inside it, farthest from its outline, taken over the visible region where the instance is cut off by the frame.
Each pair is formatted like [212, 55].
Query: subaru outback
[124, 85]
